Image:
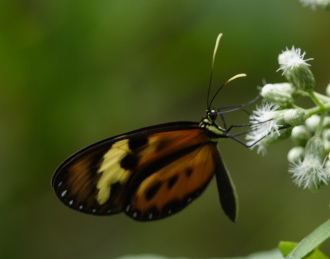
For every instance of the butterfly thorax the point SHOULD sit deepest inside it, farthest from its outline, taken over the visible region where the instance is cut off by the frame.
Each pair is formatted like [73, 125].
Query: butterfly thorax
[208, 123]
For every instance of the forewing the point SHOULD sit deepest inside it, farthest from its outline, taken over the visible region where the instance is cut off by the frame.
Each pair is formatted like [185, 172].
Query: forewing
[100, 178]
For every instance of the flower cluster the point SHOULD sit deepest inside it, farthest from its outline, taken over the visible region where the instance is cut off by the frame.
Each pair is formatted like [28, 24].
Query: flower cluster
[279, 118]
[325, 4]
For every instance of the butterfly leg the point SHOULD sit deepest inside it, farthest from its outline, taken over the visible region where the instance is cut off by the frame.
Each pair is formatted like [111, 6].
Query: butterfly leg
[235, 107]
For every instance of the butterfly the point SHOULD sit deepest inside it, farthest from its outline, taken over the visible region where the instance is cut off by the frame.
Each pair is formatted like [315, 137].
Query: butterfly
[149, 173]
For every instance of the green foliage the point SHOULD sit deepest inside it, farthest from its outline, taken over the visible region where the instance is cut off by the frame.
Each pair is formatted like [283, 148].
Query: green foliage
[288, 247]
[308, 247]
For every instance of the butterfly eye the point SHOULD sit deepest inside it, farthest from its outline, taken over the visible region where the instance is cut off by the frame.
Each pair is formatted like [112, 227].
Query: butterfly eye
[213, 115]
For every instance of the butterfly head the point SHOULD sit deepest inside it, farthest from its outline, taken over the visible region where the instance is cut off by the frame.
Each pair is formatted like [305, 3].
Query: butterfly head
[208, 123]
[209, 118]
[211, 115]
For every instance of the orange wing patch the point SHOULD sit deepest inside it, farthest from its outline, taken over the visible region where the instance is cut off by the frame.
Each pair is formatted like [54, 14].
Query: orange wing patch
[174, 186]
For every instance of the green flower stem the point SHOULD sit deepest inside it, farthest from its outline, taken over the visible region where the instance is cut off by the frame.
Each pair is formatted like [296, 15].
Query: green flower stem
[312, 95]
[323, 103]
[318, 132]
[316, 110]
[321, 97]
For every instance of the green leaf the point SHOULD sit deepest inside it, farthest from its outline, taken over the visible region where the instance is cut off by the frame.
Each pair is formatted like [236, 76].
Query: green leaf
[287, 247]
[316, 254]
[311, 242]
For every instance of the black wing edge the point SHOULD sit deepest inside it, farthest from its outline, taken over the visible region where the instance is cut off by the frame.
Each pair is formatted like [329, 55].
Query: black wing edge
[227, 191]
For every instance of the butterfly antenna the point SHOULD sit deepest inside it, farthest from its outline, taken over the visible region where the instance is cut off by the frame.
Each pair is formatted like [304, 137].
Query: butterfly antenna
[226, 83]
[208, 104]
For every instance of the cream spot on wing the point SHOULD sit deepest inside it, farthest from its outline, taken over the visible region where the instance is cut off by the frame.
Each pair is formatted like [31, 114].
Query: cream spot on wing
[64, 193]
[111, 171]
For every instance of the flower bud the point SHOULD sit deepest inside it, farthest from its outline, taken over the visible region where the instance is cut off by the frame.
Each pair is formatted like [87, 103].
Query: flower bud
[326, 122]
[280, 94]
[326, 134]
[295, 117]
[303, 78]
[327, 163]
[326, 139]
[313, 122]
[296, 154]
[326, 144]
[300, 135]
[327, 90]
[315, 147]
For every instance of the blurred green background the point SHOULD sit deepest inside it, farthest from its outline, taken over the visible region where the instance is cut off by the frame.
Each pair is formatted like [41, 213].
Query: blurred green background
[75, 72]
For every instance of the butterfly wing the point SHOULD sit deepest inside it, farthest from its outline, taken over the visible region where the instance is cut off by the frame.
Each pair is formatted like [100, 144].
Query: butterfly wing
[149, 173]
[226, 190]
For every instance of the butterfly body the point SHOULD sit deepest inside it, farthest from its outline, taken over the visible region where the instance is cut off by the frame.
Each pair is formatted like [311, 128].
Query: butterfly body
[148, 174]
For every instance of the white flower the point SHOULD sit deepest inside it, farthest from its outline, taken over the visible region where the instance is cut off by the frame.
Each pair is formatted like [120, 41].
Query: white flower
[262, 119]
[290, 59]
[263, 124]
[255, 140]
[315, 3]
[296, 69]
[310, 173]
